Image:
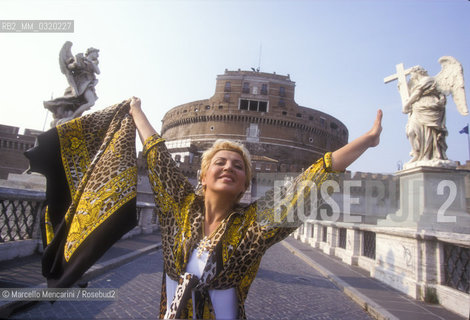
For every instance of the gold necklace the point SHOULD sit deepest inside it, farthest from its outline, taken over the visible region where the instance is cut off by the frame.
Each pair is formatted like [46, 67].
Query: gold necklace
[206, 244]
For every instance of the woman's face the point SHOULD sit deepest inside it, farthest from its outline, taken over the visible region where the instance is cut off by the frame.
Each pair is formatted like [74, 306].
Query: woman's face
[226, 174]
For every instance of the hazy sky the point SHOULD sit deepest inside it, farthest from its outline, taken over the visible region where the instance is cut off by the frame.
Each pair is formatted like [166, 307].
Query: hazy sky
[170, 52]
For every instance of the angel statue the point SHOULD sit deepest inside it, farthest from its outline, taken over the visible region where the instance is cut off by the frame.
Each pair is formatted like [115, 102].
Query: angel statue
[80, 95]
[424, 100]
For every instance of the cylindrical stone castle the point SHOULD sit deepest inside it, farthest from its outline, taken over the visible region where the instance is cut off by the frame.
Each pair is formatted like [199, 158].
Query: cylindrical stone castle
[259, 110]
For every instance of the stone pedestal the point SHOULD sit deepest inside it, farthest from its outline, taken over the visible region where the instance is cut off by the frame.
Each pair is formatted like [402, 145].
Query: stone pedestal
[145, 222]
[431, 198]
[432, 211]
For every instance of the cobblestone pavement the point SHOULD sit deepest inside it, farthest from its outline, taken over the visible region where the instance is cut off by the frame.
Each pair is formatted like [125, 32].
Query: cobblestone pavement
[285, 288]
[288, 288]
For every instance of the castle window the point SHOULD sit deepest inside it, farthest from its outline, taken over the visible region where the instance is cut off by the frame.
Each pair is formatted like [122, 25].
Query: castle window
[284, 113]
[227, 97]
[228, 87]
[282, 91]
[253, 105]
[322, 121]
[310, 140]
[208, 107]
[333, 126]
[282, 103]
[310, 118]
[264, 89]
[196, 109]
[212, 128]
[221, 107]
[298, 115]
[263, 106]
[246, 87]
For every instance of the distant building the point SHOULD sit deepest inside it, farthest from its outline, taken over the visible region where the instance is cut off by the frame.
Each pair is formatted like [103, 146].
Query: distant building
[12, 147]
[258, 109]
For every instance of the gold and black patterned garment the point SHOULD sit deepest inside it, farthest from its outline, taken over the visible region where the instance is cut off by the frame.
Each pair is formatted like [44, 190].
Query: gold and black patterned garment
[90, 166]
[242, 239]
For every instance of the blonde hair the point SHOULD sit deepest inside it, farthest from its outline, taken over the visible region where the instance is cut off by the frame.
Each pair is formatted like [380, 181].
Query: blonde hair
[229, 146]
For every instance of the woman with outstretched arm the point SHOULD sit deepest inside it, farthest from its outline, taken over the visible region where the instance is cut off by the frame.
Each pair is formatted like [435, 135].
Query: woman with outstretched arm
[211, 245]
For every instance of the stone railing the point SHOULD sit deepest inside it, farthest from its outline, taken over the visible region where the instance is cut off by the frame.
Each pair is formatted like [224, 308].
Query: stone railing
[432, 266]
[20, 233]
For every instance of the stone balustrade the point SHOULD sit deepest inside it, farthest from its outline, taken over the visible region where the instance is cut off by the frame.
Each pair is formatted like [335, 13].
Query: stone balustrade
[430, 265]
[19, 221]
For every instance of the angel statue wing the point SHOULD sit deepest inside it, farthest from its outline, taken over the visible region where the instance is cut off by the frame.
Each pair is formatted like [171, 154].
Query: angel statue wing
[450, 81]
[65, 58]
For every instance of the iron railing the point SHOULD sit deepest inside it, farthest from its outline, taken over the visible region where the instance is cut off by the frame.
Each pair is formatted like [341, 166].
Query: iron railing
[368, 244]
[20, 210]
[312, 230]
[342, 238]
[325, 234]
[457, 267]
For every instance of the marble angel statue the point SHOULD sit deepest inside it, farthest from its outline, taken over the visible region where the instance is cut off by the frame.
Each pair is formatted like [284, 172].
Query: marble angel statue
[80, 96]
[424, 100]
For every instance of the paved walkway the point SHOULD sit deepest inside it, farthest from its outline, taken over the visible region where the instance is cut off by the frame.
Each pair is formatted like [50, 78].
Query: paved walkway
[379, 299]
[285, 288]
[26, 272]
[294, 281]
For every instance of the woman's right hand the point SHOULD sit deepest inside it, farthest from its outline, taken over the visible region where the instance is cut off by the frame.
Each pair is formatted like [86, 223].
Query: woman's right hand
[135, 106]
[144, 127]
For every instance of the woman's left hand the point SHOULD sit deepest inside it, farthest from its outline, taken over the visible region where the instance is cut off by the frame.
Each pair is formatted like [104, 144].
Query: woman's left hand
[374, 133]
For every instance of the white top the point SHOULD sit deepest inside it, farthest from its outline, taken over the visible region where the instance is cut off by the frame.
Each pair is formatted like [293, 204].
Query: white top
[224, 301]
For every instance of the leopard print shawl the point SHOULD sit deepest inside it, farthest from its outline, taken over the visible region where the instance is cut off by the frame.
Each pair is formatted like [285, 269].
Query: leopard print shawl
[90, 166]
[242, 239]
